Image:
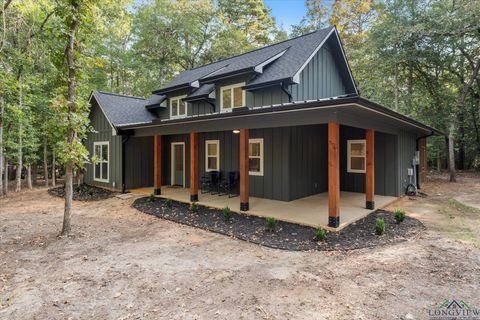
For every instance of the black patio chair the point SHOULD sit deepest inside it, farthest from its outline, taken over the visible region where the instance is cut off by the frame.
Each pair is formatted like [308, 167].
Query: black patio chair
[210, 182]
[229, 186]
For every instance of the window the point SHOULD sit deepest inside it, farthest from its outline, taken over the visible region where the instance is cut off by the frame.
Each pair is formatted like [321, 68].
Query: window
[232, 97]
[255, 157]
[356, 156]
[100, 168]
[212, 155]
[178, 107]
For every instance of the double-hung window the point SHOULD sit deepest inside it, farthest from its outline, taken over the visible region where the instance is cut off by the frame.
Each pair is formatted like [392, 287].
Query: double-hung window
[255, 157]
[356, 156]
[178, 107]
[212, 155]
[232, 97]
[100, 167]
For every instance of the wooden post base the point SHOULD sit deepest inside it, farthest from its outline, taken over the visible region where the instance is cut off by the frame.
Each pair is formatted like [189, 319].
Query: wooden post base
[157, 191]
[244, 206]
[193, 197]
[334, 222]
[370, 205]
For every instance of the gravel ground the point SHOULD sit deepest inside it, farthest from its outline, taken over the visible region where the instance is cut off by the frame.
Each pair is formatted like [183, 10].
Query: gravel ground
[287, 236]
[123, 264]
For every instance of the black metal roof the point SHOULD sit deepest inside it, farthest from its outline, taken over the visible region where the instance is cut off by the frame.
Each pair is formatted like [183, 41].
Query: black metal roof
[286, 59]
[122, 110]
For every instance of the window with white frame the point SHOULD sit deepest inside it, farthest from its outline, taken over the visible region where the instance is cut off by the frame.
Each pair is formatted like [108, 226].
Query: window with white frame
[356, 156]
[101, 166]
[232, 97]
[255, 157]
[212, 155]
[178, 107]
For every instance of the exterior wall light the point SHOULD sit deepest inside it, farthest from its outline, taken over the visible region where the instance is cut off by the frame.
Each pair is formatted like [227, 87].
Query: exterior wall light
[236, 131]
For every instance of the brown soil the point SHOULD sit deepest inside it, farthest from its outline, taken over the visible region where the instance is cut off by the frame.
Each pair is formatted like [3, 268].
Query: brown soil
[123, 264]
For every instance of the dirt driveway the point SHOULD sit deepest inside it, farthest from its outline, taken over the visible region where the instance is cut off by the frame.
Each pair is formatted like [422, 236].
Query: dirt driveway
[122, 264]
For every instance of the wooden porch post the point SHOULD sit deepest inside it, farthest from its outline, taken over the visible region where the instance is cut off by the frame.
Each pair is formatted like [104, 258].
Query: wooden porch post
[157, 164]
[333, 175]
[244, 182]
[370, 169]
[193, 166]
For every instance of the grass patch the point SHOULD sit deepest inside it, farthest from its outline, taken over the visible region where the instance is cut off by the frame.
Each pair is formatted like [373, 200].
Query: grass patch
[462, 207]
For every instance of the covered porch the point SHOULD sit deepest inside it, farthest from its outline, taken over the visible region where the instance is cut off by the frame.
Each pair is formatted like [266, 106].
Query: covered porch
[309, 211]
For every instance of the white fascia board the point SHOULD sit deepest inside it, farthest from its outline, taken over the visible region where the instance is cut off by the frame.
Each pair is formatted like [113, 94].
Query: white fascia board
[346, 61]
[259, 68]
[296, 76]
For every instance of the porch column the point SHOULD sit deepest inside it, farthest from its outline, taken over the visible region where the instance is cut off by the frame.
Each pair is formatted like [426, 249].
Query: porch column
[333, 175]
[157, 164]
[370, 169]
[193, 166]
[244, 182]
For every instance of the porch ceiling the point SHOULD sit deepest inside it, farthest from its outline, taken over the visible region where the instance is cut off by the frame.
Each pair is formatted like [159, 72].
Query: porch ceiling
[310, 211]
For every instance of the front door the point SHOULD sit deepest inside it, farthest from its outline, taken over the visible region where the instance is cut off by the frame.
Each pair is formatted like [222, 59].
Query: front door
[178, 161]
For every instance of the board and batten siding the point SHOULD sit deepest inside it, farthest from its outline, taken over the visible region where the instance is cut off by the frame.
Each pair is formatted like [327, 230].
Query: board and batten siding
[406, 150]
[104, 132]
[139, 162]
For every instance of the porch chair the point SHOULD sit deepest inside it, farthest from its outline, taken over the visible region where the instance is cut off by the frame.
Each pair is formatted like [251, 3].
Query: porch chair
[210, 182]
[229, 186]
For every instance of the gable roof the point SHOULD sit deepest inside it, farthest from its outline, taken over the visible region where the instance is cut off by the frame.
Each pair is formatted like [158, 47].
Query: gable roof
[202, 92]
[284, 60]
[122, 110]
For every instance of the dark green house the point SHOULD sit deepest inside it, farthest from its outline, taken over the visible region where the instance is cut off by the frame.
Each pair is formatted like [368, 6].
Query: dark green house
[283, 122]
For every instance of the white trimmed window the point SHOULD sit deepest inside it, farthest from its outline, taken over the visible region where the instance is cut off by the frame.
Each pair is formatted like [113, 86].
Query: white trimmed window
[232, 97]
[255, 157]
[100, 168]
[356, 156]
[178, 107]
[212, 155]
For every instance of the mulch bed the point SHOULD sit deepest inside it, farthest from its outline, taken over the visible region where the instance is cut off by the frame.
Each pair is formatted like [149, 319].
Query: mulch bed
[287, 236]
[84, 192]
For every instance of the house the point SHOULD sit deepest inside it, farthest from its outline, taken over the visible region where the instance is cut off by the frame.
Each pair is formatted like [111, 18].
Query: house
[287, 117]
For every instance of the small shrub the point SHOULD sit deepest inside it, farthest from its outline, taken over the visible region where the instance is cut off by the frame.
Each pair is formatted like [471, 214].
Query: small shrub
[320, 234]
[151, 197]
[271, 223]
[227, 213]
[399, 215]
[379, 226]
[168, 203]
[194, 207]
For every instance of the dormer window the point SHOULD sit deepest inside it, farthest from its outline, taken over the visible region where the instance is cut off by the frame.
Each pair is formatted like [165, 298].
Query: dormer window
[178, 107]
[232, 97]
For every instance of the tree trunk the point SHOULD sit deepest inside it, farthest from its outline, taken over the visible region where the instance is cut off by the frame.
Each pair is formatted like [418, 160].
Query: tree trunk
[439, 162]
[5, 177]
[451, 153]
[18, 186]
[461, 141]
[54, 182]
[29, 177]
[71, 112]
[34, 173]
[2, 108]
[45, 162]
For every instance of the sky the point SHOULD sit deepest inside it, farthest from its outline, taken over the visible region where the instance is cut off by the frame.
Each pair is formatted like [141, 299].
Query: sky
[287, 12]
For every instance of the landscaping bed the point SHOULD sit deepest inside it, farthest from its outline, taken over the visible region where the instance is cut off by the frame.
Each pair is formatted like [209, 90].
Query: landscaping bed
[287, 236]
[84, 192]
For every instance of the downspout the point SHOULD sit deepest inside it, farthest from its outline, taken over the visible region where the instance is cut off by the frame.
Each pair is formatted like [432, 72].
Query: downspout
[125, 138]
[417, 171]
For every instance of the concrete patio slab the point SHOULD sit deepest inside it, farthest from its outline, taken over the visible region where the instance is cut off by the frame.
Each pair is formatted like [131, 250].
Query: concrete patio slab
[310, 211]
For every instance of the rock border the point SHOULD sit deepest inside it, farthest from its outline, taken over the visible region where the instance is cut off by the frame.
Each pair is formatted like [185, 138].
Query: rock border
[287, 236]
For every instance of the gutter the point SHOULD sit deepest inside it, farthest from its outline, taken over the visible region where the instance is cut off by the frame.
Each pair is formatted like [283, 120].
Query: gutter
[417, 171]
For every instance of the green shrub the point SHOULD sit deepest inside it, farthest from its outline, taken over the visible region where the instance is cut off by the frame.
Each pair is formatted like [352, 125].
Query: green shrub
[227, 213]
[399, 215]
[168, 203]
[271, 223]
[320, 234]
[151, 197]
[194, 207]
[379, 226]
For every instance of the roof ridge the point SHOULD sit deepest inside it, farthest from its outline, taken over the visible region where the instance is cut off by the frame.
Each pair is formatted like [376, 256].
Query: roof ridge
[120, 95]
[270, 45]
